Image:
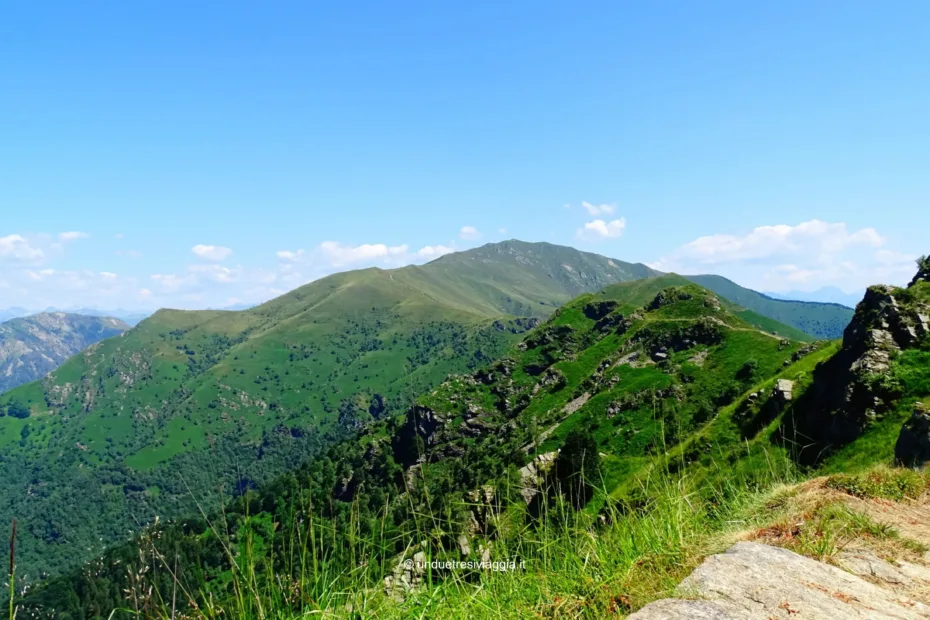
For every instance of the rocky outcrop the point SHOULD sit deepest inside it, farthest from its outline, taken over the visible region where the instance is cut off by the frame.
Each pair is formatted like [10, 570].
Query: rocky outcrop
[704, 331]
[597, 310]
[783, 391]
[533, 475]
[667, 297]
[853, 389]
[752, 581]
[419, 433]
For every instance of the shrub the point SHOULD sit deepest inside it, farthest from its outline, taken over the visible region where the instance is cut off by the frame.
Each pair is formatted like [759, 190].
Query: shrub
[17, 410]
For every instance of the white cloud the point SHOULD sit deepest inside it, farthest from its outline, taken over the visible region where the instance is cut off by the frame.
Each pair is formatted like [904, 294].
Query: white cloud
[118, 236]
[599, 230]
[502, 231]
[30, 275]
[469, 233]
[604, 209]
[290, 256]
[804, 256]
[216, 273]
[813, 238]
[338, 254]
[72, 235]
[211, 252]
[434, 251]
[15, 247]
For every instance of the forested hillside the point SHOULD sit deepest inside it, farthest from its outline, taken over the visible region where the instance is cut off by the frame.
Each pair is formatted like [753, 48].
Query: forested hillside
[821, 320]
[628, 373]
[187, 402]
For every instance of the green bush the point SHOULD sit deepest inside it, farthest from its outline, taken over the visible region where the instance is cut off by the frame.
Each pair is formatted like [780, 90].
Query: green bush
[17, 410]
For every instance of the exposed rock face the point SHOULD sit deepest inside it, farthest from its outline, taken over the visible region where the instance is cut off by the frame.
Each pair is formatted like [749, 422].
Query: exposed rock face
[758, 582]
[913, 446]
[533, 475]
[419, 433]
[597, 310]
[668, 297]
[661, 343]
[783, 390]
[33, 346]
[850, 391]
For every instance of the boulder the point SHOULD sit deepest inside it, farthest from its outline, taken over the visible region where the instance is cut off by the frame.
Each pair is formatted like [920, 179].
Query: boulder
[753, 581]
[783, 390]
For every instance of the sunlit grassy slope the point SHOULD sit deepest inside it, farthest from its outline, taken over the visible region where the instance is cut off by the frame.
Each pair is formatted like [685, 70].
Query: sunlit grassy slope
[194, 399]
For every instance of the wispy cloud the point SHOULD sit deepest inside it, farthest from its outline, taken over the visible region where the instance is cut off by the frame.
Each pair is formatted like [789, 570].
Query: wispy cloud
[782, 257]
[72, 235]
[469, 233]
[211, 252]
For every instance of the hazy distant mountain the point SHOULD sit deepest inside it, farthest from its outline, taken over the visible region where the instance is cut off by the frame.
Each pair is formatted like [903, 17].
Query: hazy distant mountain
[826, 294]
[131, 317]
[11, 313]
[819, 319]
[33, 346]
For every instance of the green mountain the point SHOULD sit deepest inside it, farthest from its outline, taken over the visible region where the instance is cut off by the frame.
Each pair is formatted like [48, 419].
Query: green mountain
[640, 366]
[597, 451]
[32, 346]
[821, 320]
[186, 402]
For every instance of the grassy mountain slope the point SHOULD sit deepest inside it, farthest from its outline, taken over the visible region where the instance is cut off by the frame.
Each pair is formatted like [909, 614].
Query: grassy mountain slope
[642, 366]
[32, 346]
[187, 401]
[821, 320]
[693, 412]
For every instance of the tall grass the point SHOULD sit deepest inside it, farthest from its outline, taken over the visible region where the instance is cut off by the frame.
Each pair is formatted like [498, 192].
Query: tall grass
[565, 562]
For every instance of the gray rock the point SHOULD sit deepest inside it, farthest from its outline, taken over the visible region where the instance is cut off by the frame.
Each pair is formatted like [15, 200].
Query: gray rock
[755, 581]
[913, 446]
[533, 474]
[924, 323]
[784, 389]
[464, 547]
[679, 609]
[866, 563]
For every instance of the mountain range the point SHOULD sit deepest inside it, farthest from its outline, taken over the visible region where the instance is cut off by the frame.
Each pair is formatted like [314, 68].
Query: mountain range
[648, 388]
[153, 422]
[33, 346]
[825, 294]
[129, 317]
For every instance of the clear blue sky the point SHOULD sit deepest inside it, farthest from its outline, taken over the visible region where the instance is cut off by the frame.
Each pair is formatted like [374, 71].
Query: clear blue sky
[155, 127]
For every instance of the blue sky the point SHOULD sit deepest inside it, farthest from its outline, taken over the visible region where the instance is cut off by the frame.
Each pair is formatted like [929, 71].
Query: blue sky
[209, 153]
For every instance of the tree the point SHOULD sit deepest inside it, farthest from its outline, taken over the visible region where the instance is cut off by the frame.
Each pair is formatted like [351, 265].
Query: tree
[16, 409]
[578, 467]
[748, 370]
[923, 270]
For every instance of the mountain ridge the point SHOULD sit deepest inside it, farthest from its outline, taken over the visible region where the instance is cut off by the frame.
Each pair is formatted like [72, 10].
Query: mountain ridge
[34, 345]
